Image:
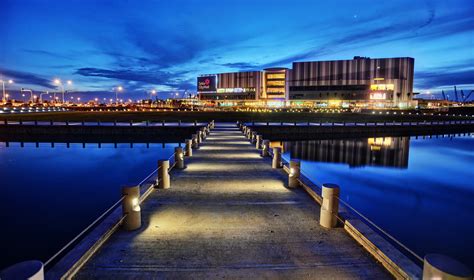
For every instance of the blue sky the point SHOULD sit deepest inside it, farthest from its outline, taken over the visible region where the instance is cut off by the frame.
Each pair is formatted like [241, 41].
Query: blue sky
[164, 45]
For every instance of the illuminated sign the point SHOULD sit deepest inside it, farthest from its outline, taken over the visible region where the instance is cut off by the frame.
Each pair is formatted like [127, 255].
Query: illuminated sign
[207, 83]
[378, 96]
[234, 90]
[382, 87]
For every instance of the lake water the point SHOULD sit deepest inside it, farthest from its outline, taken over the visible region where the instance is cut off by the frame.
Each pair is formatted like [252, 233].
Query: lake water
[49, 195]
[421, 191]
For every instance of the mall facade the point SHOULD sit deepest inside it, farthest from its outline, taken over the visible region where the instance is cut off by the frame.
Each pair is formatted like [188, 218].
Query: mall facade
[361, 82]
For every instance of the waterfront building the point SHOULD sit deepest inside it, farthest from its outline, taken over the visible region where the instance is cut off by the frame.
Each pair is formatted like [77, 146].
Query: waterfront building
[361, 82]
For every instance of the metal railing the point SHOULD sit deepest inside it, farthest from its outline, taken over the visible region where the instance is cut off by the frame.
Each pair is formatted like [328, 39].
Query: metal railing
[369, 123]
[100, 123]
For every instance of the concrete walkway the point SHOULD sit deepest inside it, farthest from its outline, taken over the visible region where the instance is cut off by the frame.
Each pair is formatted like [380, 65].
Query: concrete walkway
[229, 215]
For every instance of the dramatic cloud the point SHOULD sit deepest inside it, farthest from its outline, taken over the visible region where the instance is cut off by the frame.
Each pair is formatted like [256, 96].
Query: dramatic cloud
[27, 78]
[150, 44]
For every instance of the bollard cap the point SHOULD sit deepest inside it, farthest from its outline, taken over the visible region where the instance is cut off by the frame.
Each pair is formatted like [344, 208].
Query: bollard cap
[329, 190]
[448, 265]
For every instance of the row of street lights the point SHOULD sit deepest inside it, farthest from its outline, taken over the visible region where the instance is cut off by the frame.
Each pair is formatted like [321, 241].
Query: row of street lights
[61, 85]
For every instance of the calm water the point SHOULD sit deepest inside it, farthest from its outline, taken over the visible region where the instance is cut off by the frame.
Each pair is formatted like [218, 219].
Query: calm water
[419, 190]
[49, 195]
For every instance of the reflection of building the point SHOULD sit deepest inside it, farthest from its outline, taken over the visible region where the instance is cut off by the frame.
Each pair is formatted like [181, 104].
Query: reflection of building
[383, 151]
[359, 82]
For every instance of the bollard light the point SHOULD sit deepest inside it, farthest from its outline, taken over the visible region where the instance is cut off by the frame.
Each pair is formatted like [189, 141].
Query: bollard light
[294, 173]
[179, 157]
[131, 208]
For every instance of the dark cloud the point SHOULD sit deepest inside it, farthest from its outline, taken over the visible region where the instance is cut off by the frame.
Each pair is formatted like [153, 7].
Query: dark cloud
[436, 78]
[27, 78]
[125, 75]
[143, 79]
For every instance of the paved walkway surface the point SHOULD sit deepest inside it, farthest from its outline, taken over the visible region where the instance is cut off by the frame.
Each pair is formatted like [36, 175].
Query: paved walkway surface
[229, 215]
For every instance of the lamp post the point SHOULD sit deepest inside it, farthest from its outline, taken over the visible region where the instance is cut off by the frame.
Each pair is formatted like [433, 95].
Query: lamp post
[4, 99]
[60, 84]
[152, 92]
[30, 91]
[117, 89]
[41, 96]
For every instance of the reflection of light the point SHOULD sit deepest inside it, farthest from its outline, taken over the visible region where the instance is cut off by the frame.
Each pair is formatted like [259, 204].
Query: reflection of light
[380, 141]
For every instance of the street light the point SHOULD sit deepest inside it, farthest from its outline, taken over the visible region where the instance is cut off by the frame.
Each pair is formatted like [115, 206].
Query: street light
[3, 85]
[30, 91]
[41, 96]
[117, 89]
[152, 92]
[60, 84]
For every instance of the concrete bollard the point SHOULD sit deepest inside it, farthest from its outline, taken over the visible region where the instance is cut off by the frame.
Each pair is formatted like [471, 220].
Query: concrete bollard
[32, 270]
[163, 175]
[276, 162]
[179, 157]
[258, 141]
[265, 148]
[195, 144]
[330, 206]
[253, 139]
[199, 136]
[189, 147]
[437, 266]
[294, 174]
[131, 208]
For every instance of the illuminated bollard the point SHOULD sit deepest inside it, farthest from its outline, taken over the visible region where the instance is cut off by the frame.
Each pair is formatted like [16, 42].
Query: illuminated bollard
[32, 270]
[294, 174]
[258, 141]
[276, 162]
[131, 208]
[265, 148]
[330, 206]
[437, 266]
[244, 130]
[179, 157]
[195, 144]
[253, 138]
[189, 147]
[163, 175]
[204, 133]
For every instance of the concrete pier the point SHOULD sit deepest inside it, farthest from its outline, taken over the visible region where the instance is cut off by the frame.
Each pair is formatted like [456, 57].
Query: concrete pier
[229, 215]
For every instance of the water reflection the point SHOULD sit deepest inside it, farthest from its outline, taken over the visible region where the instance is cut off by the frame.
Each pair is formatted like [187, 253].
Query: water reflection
[383, 151]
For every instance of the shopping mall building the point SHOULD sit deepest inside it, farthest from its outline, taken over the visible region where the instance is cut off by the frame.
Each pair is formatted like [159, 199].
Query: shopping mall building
[361, 82]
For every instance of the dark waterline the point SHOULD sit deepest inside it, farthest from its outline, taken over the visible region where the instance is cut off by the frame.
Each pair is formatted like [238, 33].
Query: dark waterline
[50, 194]
[418, 190]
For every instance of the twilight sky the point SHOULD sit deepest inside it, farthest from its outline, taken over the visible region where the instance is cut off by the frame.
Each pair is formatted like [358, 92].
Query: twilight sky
[164, 45]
